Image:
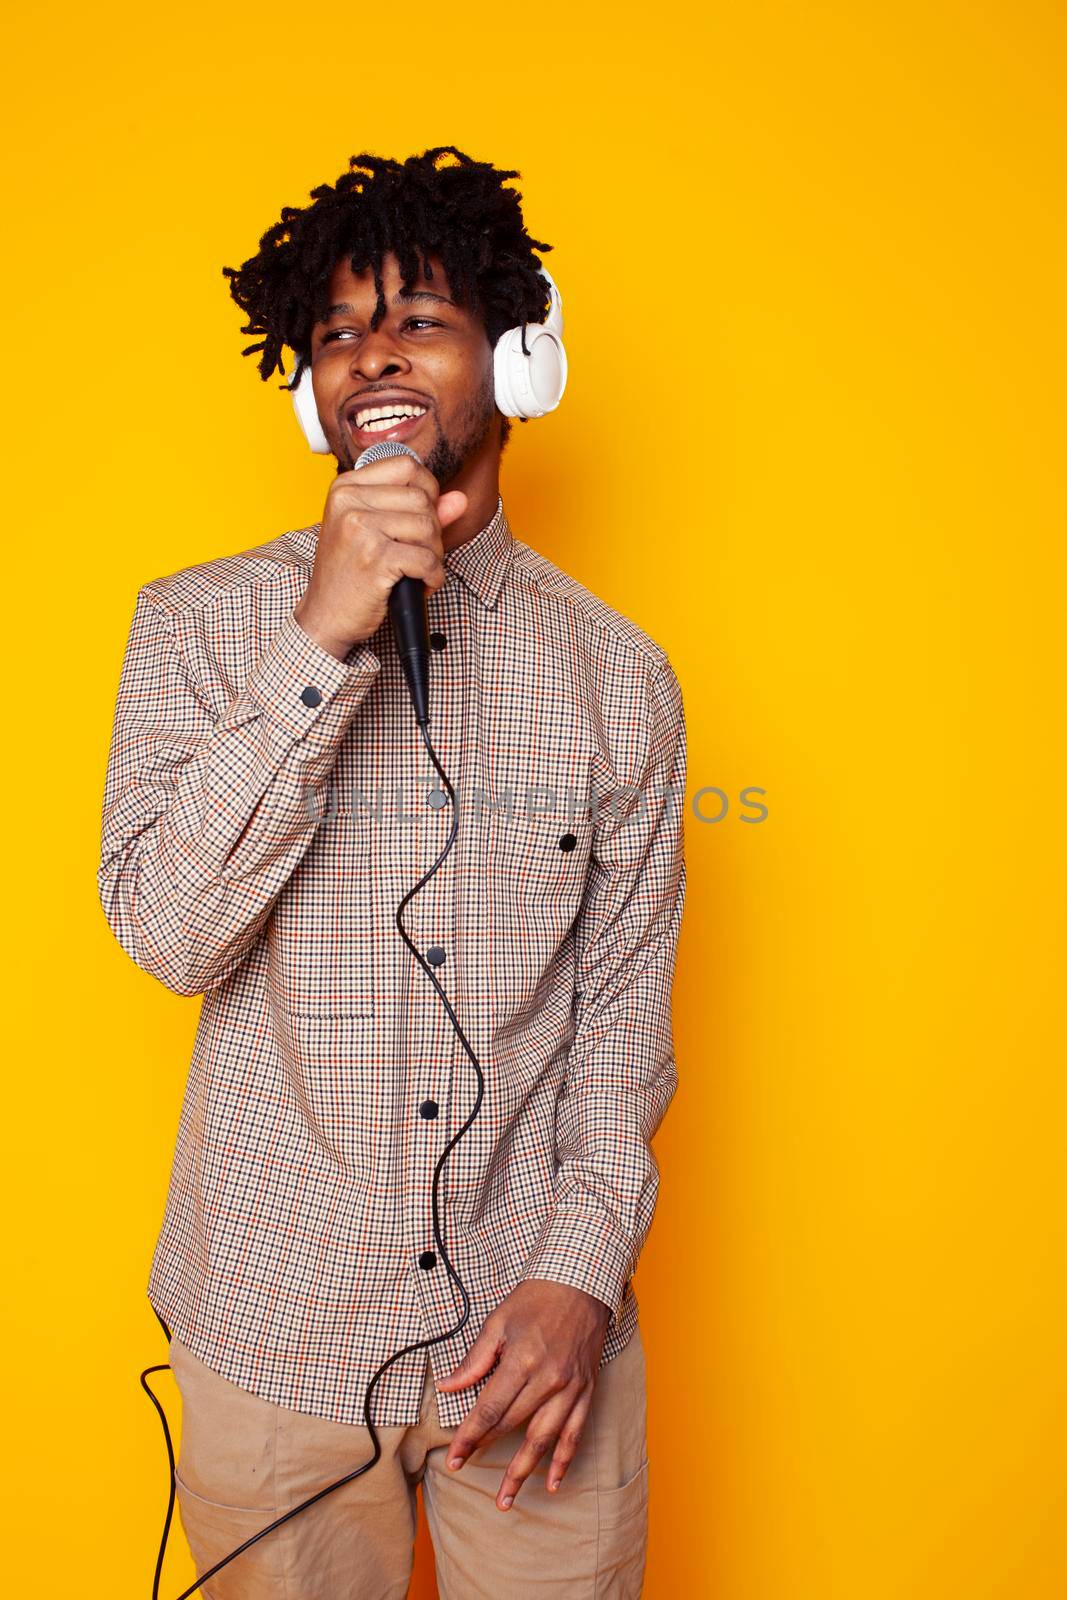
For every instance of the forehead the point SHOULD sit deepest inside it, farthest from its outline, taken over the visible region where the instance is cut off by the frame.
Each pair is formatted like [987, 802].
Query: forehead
[347, 285]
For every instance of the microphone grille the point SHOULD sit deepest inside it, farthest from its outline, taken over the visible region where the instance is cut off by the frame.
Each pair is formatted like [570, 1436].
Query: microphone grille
[384, 449]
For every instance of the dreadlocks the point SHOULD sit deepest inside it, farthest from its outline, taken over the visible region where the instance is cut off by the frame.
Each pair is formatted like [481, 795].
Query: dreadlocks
[460, 211]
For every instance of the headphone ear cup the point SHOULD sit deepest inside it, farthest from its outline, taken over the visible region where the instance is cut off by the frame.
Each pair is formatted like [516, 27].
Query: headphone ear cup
[529, 385]
[307, 414]
[547, 369]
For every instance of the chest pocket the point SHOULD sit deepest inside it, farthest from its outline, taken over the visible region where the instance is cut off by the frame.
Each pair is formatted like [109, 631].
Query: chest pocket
[538, 864]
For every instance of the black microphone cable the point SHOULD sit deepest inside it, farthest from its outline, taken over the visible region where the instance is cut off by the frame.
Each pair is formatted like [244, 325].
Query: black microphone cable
[407, 1349]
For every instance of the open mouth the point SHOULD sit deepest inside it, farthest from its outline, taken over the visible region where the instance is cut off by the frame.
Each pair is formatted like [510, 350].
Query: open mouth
[393, 420]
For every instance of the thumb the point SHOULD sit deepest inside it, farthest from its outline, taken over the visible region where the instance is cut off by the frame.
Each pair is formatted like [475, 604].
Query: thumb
[479, 1360]
[450, 506]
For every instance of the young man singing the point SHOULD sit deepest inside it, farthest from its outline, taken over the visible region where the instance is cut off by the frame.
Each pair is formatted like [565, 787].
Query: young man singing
[268, 804]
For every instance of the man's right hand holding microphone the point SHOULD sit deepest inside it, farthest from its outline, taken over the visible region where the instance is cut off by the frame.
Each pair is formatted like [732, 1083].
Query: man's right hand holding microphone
[382, 522]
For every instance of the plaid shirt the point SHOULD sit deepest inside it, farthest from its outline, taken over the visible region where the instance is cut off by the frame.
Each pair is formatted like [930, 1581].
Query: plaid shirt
[266, 808]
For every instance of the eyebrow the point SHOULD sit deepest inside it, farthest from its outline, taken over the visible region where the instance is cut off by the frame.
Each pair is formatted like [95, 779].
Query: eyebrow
[401, 298]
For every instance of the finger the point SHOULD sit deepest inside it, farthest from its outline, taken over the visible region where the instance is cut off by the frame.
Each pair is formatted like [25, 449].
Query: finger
[391, 469]
[384, 496]
[570, 1436]
[403, 497]
[451, 506]
[522, 1407]
[478, 1360]
[415, 561]
[493, 1403]
[405, 527]
[541, 1434]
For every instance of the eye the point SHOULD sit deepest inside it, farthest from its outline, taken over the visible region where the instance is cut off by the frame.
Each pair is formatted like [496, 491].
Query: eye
[342, 333]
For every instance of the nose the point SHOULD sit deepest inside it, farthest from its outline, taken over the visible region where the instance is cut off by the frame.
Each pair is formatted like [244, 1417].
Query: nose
[377, 356]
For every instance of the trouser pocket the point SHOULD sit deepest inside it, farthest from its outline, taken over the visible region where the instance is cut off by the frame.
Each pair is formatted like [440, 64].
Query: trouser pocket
[225, 1480]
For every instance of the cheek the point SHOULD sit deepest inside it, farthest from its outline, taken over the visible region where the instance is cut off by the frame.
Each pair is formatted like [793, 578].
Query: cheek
[327, 383]
[463, 376]
[478, 402]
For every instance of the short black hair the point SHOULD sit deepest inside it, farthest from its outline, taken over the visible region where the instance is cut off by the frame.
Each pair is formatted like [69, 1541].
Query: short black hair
[461, 211]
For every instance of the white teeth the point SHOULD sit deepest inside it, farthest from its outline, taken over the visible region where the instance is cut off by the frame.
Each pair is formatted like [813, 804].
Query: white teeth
[378, 419]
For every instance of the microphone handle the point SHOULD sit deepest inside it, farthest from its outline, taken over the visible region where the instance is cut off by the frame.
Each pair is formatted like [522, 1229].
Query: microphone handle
[407, 609]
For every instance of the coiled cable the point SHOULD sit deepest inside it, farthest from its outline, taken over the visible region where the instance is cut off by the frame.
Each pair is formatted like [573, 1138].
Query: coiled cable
[407, 1349]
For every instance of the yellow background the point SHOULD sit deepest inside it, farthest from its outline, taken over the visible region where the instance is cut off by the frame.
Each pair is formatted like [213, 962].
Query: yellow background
[812, 260]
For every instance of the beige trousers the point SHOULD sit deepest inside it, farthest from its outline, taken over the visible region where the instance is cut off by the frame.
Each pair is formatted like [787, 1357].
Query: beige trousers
[245, 1461]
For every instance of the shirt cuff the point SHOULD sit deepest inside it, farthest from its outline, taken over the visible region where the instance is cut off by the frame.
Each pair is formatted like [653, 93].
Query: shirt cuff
[581, 1247]
[300, 684]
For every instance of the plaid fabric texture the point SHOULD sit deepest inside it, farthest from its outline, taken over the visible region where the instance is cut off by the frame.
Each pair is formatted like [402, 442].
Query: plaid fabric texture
[266, 808]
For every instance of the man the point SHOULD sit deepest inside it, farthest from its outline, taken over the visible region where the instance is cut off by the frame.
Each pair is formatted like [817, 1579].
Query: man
[268, 805]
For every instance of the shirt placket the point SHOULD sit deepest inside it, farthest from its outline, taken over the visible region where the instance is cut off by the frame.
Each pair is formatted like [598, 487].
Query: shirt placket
[432, 925]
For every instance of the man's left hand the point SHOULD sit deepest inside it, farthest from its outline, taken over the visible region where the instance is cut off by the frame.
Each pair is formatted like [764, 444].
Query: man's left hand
[549, 1338]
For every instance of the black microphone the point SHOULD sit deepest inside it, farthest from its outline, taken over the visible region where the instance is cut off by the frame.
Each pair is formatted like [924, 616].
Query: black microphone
[407, 604]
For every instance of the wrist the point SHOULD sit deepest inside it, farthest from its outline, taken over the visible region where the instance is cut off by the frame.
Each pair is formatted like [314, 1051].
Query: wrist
[320, 633]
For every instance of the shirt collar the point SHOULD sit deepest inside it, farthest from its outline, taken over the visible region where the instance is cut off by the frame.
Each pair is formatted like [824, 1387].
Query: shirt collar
[481, 562]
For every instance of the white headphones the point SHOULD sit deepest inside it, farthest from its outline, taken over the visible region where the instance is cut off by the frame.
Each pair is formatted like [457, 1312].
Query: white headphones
[526, 385]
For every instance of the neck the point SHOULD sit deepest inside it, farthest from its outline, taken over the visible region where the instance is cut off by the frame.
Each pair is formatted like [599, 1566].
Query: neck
[479, 480]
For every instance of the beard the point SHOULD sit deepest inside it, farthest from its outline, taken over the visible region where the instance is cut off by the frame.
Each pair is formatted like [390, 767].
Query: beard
[451, 452]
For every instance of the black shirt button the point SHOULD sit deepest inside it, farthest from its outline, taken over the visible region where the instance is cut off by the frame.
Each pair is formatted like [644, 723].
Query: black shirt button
[437, 641]
[428, 1108]
[568, 842]
[311, 696]
[435, 955]
[427, 1260]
